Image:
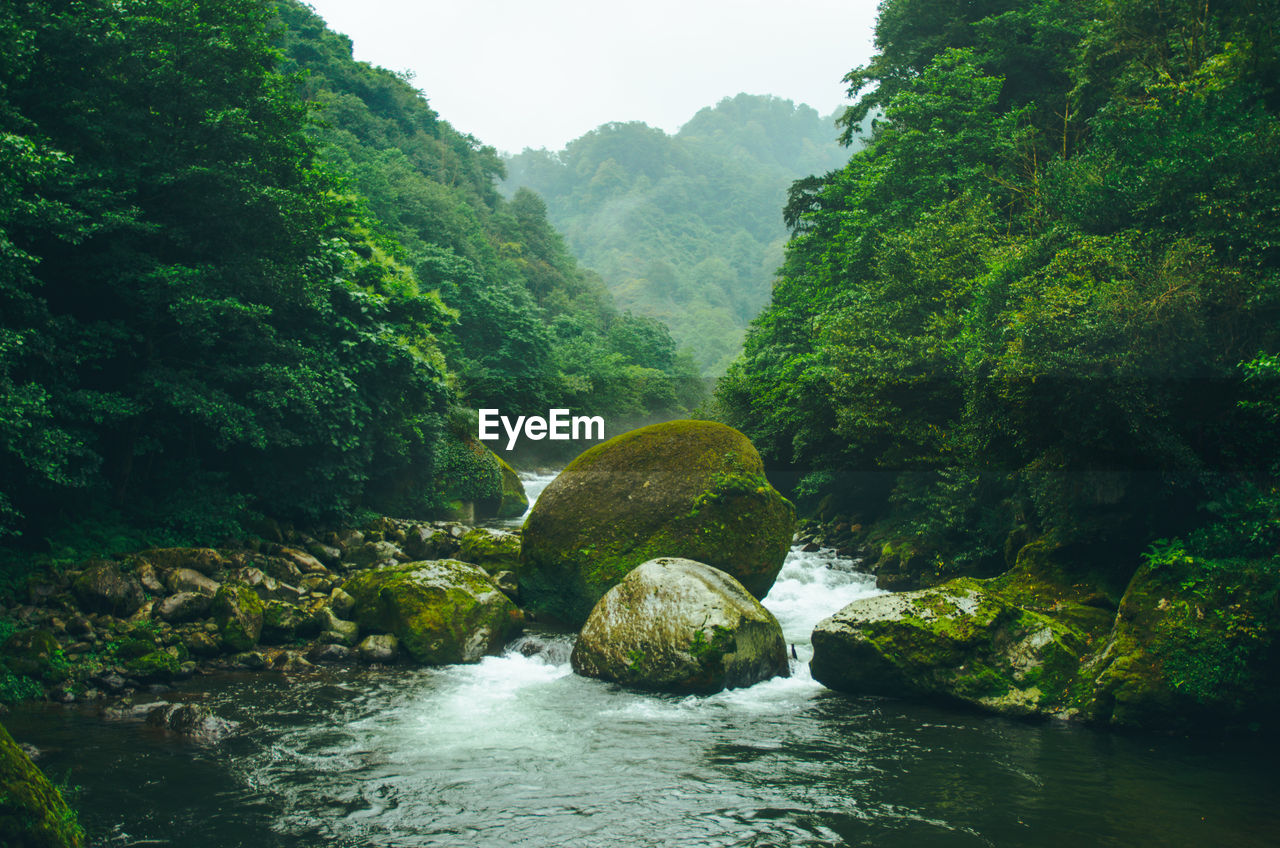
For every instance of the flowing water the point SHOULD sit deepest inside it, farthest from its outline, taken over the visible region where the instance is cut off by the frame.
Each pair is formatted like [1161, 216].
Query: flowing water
[518, 751]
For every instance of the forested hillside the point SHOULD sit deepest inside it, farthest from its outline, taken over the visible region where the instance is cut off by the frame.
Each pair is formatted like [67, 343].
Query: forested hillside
[1043, 302]
[685, 228]
[239, 281]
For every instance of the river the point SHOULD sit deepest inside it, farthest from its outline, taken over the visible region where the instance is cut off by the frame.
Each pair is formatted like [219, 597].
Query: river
[518, 751]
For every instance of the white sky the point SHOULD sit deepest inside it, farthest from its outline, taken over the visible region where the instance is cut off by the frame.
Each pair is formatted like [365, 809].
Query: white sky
[539, 73]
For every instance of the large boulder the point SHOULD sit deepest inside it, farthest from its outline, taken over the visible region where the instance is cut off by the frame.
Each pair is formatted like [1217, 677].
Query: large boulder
[680, 626]
[692, 489]
[441, 611]
[32, 812]
[1194, 646]
[961, 641]
[102, 587]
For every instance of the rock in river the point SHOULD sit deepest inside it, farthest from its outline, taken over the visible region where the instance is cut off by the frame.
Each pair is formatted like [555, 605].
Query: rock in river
[961, 641]
[692, 489]
[680, 626]
[441, 611]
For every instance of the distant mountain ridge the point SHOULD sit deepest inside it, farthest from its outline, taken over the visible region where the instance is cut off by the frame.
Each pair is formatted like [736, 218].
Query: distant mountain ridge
[685, 228]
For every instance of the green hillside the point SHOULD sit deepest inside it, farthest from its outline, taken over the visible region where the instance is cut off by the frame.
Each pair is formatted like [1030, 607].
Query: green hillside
[685, 228]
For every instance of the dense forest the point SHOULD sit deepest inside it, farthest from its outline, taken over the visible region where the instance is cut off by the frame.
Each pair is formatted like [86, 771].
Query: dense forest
[1042, 303]
[243, 274]
[685, 228]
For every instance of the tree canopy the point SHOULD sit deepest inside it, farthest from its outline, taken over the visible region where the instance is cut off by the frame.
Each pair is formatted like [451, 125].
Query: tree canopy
[1043, 300]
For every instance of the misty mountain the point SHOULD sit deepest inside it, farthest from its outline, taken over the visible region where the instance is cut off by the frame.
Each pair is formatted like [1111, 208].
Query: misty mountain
[685, 228]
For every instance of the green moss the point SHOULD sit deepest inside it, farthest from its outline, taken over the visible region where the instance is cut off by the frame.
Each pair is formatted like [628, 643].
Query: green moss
[238, 612]
[1194, 639]
[514, 500]
[981, 681]
[442, 612]
[153, 667]
[690, 489]
[467, 472]
[492, 551]
[33, 814]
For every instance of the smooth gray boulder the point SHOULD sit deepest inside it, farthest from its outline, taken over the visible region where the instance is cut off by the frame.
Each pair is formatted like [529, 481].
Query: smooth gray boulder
[677, 625]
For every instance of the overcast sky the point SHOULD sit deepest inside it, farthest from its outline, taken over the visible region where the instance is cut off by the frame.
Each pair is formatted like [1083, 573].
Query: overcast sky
[538, 73]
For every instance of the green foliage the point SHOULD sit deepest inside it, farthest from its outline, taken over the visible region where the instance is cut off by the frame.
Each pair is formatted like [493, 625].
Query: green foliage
[15, 688]
[497, 263]
[1025, 304]
[243, 274]
[684, 228]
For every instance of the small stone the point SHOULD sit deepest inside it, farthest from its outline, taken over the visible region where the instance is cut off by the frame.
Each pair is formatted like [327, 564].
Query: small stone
[149, 578]
[189, 580]
[290, 661]
[508, 583]
[251, 660]
[336, 630]
[183, 606]
[111, 682]
[341, 603]
[379, 648]
[331, 653]
[304, 562]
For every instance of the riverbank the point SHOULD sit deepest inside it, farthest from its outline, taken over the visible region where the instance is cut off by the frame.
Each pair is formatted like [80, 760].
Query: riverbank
[517, 748]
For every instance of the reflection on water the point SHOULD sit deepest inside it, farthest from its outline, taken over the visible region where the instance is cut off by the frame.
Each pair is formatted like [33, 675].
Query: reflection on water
[516, 750]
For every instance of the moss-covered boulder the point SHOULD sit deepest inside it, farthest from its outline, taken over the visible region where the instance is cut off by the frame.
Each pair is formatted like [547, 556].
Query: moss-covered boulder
[471, 478]
[514, 501]
[33, 813]
[677, 625]
[691, 489]
[492, 550]
[102, 587]
[238, 611]
[961, 641]
[1196, 645]
[154, 667]
[442, 611]
[31, 652]
[281, 622]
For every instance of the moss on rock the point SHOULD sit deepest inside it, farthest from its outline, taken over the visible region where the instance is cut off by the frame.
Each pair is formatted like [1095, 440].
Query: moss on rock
[691, 489]
[154, 667]
[1194, 644]
[33, 813]
[470, 477]
[442, 611]
[238, 612]
[960, 641]
[514, 501]
[680, 626]
[492, 550]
